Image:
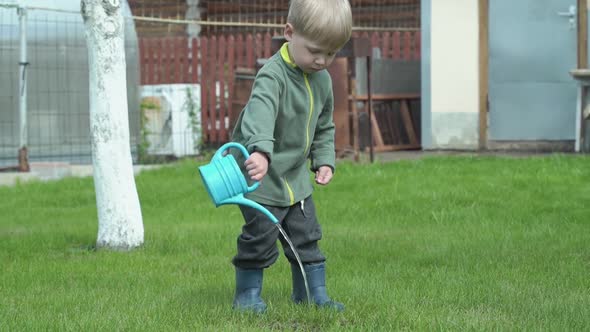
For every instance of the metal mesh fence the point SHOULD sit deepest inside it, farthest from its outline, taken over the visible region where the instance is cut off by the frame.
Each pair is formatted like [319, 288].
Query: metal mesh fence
[221, 16]
[8, 90]
[56, 74]
[164, 114]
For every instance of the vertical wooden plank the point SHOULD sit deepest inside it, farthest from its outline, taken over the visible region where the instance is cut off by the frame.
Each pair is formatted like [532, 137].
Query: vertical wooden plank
[407, 45]
[170, 68]
[267, 40]
[187, 59]
[204, 90]
[176, 64]
[184, 71]
[188, 44]
[397, 122]
[170, 63]
[396, 45]
[230, 82]
[179, 55]
[339, 72]
[153, 43]
[171, 60]
[162, 62]
[249, 52]
[212, 111]
[156, 58]
[367, 35]
[376, 131]
[195, 62]
[375, 40]
[395, 139]
[257, 48]
[150, 61]
[377, 113]
[221, 57]
[417, 45]
[383, 113]
[153, 60]
[385, 48]
[142, 61]
[240, 57]
[408, 123]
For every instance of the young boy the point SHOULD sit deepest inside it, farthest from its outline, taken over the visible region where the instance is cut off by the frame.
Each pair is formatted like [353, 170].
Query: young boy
[288, 120]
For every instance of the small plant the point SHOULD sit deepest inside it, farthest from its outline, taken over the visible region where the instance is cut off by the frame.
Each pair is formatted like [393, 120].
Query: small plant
[193, 109]
[144, 142]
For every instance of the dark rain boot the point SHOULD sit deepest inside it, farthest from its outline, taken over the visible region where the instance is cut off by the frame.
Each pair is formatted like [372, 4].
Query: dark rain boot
[248, 288]
[316, 279]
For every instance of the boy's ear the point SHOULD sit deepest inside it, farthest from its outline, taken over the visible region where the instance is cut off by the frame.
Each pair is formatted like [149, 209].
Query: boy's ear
[288, 33]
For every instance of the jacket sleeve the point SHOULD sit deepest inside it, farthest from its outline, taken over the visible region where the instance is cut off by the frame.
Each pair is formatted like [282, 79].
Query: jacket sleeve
[322, 147]
[259, 116]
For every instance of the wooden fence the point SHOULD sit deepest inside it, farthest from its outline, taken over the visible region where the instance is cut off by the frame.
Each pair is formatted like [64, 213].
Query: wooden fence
[211, 62]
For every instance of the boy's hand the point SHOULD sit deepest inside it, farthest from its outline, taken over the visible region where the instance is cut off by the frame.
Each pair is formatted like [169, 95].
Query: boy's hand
[323, 175]
[257, 166]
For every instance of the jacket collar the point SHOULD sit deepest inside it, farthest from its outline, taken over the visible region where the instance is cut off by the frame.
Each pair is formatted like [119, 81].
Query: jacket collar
[291, 66]
[285, 55]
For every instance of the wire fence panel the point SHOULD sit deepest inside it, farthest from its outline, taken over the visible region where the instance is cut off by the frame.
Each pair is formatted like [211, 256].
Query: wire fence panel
[9, 58]
[188, 61]
[209, 17]
[57, 90]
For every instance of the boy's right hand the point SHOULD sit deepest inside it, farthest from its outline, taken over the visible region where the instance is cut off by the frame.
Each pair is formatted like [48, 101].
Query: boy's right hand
[257, 165]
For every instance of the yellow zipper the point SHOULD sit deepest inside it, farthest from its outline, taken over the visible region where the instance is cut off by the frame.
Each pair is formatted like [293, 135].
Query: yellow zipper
[310, 113]
[291, 196]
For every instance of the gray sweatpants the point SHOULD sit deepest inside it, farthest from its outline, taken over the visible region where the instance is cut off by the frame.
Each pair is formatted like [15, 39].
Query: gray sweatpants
[257, 245]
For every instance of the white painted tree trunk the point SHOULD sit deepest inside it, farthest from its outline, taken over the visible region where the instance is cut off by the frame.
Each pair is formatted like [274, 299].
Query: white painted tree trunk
[120, 224]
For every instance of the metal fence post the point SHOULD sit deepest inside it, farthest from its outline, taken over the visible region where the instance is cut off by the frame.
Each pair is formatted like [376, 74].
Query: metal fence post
[23, 163]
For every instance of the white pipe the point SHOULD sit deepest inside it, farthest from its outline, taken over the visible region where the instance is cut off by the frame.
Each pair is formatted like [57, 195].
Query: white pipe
[22, 77]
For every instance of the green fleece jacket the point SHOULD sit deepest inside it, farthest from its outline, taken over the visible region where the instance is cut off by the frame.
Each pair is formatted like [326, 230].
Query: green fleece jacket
[289, 118]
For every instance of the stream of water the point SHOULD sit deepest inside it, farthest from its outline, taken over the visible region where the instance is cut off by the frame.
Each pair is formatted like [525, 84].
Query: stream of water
[298, 260]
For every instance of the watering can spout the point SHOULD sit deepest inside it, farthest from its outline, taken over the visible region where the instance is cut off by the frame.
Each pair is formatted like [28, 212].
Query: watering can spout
[241, 200]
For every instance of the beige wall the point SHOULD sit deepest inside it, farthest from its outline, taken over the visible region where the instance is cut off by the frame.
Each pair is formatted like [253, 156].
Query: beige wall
[454, 73]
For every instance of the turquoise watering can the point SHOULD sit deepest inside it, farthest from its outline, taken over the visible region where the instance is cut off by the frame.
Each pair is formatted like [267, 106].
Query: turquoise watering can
[225, 182]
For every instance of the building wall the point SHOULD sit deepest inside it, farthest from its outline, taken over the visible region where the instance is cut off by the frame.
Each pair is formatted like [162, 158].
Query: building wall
[454, 71]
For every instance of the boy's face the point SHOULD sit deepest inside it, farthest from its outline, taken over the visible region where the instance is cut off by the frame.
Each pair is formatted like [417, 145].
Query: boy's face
[307, 54]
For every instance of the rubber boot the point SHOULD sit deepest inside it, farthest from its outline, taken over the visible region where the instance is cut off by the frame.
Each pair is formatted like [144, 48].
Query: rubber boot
[248, 288]
[316, 279]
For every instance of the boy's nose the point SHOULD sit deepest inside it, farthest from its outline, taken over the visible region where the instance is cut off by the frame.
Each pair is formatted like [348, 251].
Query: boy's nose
[321, 60]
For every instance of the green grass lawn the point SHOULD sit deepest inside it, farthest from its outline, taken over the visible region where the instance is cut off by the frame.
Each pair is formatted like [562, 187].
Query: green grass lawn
[442, 243]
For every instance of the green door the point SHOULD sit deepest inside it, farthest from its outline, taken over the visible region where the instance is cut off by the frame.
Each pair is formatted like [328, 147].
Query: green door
[532, 48]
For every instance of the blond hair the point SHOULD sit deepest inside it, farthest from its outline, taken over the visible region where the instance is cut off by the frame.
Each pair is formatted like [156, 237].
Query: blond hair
[327, 22]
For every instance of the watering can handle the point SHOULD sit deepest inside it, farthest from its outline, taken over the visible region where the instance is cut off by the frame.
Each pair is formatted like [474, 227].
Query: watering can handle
[219, 154]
